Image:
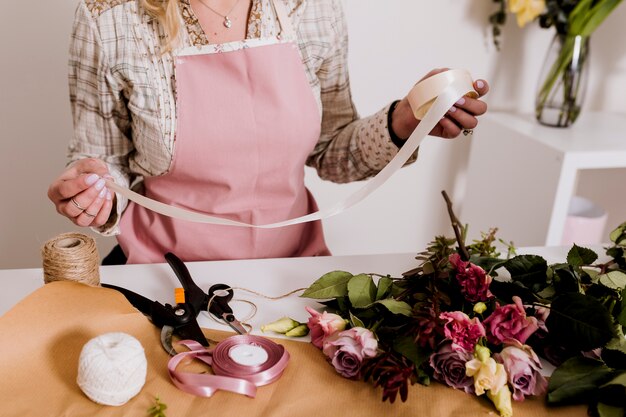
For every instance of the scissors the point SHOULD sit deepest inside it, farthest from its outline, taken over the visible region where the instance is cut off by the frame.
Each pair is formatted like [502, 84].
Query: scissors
[181, 319]
[215, 301]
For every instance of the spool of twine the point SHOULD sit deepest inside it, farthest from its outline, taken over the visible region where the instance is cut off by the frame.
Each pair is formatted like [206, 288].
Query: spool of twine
[71, 257]
[112, 368]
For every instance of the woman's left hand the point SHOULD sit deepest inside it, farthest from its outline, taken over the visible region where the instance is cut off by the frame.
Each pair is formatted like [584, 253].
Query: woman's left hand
[462, 116]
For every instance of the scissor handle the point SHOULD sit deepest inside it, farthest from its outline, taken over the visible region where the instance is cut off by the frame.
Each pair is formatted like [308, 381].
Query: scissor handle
[219, 296]
[193, 294]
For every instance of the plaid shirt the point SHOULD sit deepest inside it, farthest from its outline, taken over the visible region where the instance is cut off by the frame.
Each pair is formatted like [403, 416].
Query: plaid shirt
[122, 90]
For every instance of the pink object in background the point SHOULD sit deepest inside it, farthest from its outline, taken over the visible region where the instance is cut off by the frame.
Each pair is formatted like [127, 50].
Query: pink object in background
[585, 223]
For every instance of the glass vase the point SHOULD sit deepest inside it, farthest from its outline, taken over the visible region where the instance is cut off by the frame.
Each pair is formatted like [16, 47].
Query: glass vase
[563, 81]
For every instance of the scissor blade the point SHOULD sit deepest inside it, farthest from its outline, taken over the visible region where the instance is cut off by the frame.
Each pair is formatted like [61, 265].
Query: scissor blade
[166, 340]
[234, 323]
[141, 303]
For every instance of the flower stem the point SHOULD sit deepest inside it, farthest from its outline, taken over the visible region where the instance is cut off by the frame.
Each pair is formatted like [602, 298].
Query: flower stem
[457, 227]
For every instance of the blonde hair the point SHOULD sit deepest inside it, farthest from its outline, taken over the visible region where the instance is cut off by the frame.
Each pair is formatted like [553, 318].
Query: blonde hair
[167, 13]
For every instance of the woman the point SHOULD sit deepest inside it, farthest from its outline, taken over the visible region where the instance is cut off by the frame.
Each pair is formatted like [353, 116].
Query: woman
[208, 105]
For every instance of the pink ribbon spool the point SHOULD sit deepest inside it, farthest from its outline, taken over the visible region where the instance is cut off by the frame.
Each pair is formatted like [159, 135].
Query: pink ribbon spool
[259, 363]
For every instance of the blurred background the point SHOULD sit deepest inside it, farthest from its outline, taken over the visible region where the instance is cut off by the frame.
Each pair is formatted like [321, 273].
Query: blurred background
[393, 43]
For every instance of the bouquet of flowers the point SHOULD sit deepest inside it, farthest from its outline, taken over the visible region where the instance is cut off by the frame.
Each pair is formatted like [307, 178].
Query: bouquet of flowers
[477, 321]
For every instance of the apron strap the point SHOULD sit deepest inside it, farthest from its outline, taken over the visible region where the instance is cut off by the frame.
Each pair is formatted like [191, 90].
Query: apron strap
[286, 26]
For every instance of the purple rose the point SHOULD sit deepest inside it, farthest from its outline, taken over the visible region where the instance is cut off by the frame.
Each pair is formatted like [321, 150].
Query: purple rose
[449, 366]
[523, 369]
[461, 330]
[346, 350]
[473, 279]
[510, 322]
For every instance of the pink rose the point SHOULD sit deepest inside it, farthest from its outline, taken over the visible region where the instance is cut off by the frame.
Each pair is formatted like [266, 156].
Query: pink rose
[473, 279]
[463, 332]
[323, 325]
[448, 364]
[523, 369]
[510, 322]
[346, 350]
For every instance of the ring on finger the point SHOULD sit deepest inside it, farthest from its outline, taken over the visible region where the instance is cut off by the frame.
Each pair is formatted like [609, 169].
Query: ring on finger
[468, 132]
[78, 206]
[89, 214]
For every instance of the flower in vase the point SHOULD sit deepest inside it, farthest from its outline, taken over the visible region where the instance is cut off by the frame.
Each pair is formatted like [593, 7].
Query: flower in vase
[526, 10]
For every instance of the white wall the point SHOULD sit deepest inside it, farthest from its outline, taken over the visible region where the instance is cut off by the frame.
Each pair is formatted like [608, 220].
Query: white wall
[393, 43]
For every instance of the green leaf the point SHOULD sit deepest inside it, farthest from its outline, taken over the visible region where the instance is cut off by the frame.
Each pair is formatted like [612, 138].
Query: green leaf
[605, 410]
[575, 381]
[578, 256]
[618, 231]
[547, 293]
[405, 346]
[396, 307]
[621, 318]
[615, 280]
[488, 263]
[529, 270]
[384, 288]
[618, 234]
[579, 322]
[614, 353]
[593, 275]
[565, 281]
[613, 393]
[506, 290]
[361, 290]
[158, 409]
[355, 321]
[588, 15]
[331, 285]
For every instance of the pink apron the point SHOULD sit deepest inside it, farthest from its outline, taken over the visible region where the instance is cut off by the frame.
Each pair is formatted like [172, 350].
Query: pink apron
[247, 120]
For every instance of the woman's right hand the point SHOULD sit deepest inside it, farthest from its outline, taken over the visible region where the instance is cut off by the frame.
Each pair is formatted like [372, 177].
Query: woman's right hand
[79, 193]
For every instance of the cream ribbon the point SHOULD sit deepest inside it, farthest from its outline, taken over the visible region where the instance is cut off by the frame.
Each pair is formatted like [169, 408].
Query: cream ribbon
[430, 99]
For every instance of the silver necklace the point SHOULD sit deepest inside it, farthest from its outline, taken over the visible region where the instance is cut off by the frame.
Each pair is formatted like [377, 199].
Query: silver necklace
[227, 22]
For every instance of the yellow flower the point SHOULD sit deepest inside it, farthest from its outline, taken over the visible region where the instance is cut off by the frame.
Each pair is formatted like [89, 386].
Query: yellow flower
[479, 308]
[282, 325]
[526, 10]
[502, 401]
[490, 377]
[299, 331]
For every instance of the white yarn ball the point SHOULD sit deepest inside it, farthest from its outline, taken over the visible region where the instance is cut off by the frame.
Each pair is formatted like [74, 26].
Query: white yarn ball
[112, 368]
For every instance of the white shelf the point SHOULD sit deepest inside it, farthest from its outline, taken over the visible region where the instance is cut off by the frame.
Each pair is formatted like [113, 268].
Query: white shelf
[595, 140]
[522, 175]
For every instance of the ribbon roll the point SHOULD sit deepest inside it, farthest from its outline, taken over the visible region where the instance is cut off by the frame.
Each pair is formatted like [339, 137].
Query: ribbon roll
[240, 364]
[430, 100]
[423, 95]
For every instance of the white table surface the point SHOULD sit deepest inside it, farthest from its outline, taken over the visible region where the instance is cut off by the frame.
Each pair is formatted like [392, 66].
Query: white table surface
[272, 277]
